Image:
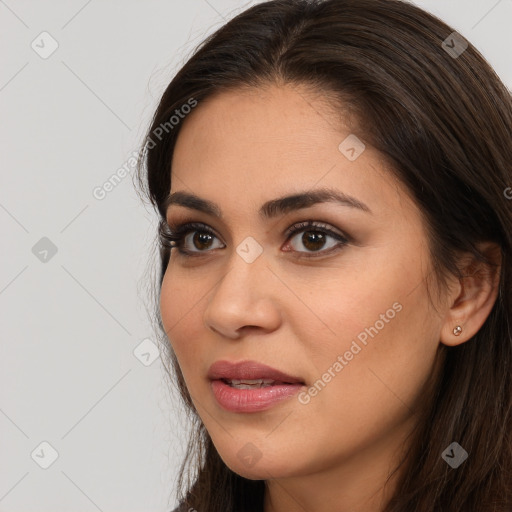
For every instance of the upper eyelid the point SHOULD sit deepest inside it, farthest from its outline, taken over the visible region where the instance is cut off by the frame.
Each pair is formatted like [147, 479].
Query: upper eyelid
[184, 224]
[185, 227]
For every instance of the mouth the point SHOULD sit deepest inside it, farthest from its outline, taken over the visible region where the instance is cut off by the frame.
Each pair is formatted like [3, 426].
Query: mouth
[253, 384]
[250, 386]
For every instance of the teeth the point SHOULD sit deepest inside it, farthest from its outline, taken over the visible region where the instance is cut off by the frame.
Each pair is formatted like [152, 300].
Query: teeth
[250, 384]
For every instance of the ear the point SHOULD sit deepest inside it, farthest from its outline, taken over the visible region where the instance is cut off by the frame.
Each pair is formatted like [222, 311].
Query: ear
[474, 295]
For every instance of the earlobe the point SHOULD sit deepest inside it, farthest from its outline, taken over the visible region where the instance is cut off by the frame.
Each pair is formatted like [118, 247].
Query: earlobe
[478, 293]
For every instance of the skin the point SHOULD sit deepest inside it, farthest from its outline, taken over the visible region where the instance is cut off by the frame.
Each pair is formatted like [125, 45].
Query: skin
[240, 149]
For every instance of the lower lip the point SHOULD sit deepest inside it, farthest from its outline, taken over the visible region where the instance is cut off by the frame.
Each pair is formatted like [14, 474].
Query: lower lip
[251, 400]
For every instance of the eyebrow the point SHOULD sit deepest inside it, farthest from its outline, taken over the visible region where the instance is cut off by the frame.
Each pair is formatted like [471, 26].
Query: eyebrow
[272, 208]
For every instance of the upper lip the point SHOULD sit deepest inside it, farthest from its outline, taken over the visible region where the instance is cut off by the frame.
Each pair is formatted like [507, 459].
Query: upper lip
[249, 370]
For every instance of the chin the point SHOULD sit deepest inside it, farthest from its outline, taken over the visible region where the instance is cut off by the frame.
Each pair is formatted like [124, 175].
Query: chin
[250, 465]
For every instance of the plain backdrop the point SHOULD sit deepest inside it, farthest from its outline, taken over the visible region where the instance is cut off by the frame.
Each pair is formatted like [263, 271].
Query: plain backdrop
[86, 421]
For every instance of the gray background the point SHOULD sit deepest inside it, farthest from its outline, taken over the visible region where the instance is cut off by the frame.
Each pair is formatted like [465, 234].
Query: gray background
[74, 374]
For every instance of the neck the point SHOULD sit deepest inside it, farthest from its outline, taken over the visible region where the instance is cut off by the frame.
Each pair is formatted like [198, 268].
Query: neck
[355, 484]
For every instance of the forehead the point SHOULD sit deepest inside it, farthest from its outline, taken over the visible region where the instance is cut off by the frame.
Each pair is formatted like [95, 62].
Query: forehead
[282, 120]
[252, 145]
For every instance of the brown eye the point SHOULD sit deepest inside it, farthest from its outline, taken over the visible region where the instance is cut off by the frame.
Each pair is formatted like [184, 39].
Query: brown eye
[200, 234]
[201, 240]
[196, 239]
[315, 239]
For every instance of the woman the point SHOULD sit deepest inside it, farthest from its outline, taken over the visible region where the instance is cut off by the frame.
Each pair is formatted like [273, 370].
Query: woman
[335, 289]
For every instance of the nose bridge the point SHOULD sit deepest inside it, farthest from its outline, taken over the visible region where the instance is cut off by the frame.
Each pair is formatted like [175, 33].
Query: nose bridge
[246, 272]
[243, 296]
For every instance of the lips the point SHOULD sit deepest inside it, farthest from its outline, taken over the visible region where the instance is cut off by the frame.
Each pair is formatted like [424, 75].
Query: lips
[251, 387]
[250, 371]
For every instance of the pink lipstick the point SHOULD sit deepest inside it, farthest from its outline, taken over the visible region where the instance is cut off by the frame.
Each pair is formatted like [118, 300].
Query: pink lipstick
[250, 386]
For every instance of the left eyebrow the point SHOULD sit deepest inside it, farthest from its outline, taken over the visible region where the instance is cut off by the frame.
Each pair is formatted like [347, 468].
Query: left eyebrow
[272, 208]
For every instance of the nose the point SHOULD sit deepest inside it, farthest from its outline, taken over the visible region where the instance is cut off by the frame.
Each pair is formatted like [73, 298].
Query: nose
[245, 298]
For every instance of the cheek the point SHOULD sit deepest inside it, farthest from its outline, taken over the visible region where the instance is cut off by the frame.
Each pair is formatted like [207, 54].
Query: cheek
[381, 357]
[354, 308]
[381, 325]
[180, 303]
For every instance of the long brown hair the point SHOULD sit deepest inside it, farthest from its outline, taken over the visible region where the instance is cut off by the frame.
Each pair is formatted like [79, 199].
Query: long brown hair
[445, 122]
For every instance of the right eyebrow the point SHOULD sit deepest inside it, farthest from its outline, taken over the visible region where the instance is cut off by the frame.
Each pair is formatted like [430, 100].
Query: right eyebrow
[272, 208]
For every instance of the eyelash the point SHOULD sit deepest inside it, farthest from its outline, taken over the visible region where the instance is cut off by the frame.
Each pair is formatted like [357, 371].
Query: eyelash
[175, 237]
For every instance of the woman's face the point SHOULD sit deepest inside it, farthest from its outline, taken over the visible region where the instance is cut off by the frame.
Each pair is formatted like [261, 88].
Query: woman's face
[352, 320]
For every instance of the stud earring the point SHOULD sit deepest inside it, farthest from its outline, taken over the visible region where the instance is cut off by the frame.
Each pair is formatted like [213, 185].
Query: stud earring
[457, 330]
